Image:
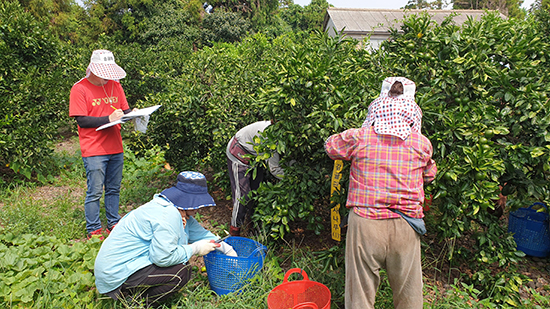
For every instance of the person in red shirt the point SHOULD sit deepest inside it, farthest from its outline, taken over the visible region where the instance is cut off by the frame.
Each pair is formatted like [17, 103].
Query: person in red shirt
[95, 100]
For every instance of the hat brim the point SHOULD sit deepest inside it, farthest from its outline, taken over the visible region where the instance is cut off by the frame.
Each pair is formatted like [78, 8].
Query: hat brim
[109, 71]
[187, 201]
[384, 126]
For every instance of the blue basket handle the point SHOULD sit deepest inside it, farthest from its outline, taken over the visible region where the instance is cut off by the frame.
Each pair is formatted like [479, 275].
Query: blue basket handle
[540, 204]
[257, 250]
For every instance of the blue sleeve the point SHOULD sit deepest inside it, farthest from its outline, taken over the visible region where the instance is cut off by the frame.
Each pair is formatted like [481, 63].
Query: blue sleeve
[196, 232]
[165, 249]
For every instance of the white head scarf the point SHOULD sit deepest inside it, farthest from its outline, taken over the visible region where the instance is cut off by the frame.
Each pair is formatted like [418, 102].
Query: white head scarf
[397, 116]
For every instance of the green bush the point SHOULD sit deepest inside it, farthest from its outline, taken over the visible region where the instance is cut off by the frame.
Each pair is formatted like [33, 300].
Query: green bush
[214, 96]
[482, 88]
[225, 27]
[320, 88]
[34, 75]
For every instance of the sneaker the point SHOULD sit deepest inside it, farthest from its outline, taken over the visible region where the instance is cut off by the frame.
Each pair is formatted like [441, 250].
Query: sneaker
[98, 233]
[109, 229]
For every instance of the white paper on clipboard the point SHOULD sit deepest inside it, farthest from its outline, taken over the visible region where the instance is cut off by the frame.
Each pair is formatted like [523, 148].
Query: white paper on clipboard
[131, 115]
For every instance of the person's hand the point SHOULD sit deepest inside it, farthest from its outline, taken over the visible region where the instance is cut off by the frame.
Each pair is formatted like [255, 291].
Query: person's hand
[116, 115]
[226, 249]
[203, 247]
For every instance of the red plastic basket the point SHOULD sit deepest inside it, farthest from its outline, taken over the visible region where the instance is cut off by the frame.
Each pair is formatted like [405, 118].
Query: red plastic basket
[299, 294]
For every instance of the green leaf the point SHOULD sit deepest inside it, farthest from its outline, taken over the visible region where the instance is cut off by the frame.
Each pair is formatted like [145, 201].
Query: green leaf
[537, 152]
[459, 60]
[41, 178]
[26, 172]
[508, 97]
[9, 259]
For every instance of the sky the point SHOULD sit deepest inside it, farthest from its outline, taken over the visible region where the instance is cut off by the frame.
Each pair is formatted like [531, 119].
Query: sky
[372, 4]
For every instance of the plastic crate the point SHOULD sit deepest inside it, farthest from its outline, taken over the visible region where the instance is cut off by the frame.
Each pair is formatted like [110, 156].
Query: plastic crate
[531, 230]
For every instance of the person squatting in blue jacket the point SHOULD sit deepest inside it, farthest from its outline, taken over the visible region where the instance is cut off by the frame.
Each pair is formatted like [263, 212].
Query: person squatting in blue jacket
[146, 255]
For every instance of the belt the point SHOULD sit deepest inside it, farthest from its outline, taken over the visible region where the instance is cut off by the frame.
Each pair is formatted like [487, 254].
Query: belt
[238, 150]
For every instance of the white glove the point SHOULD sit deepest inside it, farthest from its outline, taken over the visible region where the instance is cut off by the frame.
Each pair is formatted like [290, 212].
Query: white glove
[226, 249]
[203, 247]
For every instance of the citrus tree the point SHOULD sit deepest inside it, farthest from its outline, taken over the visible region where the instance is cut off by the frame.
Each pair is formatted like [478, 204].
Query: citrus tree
[214, 96]
[33, 69]
[319, 88]
[483, 90]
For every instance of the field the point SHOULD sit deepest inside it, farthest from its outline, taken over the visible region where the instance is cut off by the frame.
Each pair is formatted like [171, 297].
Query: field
[56, 210]
[482, 87]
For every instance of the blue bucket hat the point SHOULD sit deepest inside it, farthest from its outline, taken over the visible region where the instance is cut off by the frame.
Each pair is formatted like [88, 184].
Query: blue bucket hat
[190, 192]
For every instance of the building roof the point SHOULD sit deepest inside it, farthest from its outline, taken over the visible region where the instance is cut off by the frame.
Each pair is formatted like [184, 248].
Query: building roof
[381, 20]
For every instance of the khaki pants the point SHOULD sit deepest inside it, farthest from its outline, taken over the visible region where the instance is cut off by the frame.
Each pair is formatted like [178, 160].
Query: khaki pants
[390, 244]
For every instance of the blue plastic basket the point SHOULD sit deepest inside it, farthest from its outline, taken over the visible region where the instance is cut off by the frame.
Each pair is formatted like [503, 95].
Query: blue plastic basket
[228, 274]
[531, 230]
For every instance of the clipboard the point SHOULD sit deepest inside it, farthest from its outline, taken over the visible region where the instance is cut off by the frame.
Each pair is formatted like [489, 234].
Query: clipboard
[131, 115]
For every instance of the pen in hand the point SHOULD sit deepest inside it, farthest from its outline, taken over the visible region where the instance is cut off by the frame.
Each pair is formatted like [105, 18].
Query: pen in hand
[116, 115]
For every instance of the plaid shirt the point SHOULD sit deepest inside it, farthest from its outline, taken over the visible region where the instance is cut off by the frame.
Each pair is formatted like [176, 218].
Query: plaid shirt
[386, 171]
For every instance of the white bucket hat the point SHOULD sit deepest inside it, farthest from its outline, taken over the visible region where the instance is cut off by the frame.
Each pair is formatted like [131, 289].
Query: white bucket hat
[398, 116]
[102, 64]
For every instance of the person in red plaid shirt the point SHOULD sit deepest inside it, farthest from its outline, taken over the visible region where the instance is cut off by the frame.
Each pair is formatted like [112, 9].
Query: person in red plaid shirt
[390, 163]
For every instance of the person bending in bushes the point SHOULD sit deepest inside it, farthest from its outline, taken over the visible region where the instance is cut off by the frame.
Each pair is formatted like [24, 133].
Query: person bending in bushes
[145, 257]
[390, 163]
[242, 180]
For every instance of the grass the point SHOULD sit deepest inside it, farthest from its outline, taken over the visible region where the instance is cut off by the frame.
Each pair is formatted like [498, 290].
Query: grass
[56, 209]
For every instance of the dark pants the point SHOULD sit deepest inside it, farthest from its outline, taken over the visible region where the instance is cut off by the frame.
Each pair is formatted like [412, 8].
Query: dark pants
[153, 284]
[241, 185]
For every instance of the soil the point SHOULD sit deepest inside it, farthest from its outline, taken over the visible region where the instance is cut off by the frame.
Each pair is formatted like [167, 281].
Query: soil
[437, 271]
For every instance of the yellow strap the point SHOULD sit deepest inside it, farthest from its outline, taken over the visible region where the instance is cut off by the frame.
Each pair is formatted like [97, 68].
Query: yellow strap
[335, 211]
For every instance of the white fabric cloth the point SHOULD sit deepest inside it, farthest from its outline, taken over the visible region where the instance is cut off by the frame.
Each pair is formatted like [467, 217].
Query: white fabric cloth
[396, 116]
[226, 249]
[409, 87]
[103, 65]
